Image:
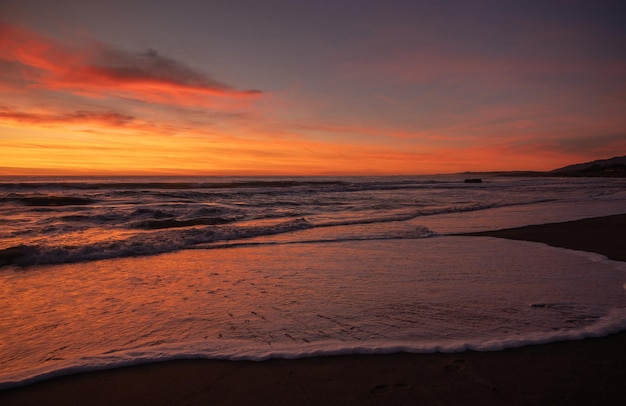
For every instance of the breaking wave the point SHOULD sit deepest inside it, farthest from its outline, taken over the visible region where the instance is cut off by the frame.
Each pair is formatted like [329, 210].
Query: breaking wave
[140, 244]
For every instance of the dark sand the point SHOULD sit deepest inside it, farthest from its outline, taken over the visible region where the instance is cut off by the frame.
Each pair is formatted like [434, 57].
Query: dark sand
[587, 372]
[604, 235]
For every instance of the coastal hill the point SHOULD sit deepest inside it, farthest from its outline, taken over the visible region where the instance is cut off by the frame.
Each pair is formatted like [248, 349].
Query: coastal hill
[613, 167]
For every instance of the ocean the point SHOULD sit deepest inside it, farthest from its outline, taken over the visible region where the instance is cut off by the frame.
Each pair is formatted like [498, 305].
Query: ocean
[101, 272]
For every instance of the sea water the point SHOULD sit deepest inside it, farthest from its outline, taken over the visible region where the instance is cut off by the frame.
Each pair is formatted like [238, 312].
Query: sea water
[103, 272]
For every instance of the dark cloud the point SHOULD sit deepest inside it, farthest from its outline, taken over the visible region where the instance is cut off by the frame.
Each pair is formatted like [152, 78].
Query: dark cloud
[124, 66]
[110, 118]
[127, 67]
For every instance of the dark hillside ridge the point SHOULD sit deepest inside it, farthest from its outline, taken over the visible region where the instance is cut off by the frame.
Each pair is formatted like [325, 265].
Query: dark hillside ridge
[613, 167]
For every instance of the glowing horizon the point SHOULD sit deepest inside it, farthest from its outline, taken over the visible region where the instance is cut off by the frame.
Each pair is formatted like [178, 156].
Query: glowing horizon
[364, 96]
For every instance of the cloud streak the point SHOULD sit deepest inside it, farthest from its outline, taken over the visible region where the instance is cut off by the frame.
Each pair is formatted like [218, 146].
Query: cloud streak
[79, 117]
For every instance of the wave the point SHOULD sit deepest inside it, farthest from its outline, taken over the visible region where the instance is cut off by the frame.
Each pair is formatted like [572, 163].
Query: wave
[614, 322]
[167, 185]
[342, 235]
[173, 239]
[410, 215]
[12, 255]
[141, 244]
[166, 232]
[215, 186]
[50, 200]
[173, 223]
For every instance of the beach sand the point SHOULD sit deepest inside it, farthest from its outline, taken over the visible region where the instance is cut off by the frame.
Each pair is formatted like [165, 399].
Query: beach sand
[589, 372]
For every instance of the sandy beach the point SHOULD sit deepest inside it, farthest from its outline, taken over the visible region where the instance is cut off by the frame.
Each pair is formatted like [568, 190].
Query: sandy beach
[575, 372]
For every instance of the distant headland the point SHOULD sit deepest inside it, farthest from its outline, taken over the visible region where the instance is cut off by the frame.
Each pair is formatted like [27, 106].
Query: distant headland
[604, 168]
[613, 167]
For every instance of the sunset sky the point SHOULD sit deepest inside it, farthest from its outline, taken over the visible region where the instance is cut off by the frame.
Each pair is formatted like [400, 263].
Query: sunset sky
[229, 87]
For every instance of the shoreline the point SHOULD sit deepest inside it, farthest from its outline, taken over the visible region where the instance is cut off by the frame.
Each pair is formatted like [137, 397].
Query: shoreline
[589, 371]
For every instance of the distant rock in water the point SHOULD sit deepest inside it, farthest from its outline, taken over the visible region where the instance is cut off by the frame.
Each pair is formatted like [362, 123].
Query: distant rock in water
[473, 180]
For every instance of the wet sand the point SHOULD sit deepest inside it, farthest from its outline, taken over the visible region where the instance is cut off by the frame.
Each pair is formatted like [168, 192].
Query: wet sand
[586, 372]
[603, 235]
